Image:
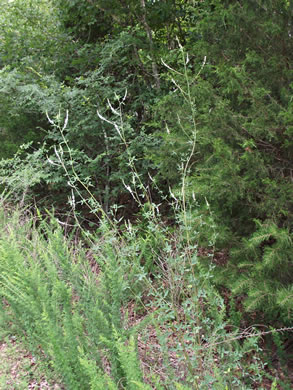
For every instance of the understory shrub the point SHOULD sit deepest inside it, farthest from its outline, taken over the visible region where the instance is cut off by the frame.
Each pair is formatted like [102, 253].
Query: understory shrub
[197, 153]
[233, 89]
[242, 161]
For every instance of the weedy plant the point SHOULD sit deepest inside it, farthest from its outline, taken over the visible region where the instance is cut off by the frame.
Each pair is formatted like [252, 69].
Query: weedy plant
[71, 303]
[65, 311]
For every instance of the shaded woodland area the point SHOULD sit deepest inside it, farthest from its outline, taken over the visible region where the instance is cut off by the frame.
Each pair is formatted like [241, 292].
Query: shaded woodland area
[149, 146]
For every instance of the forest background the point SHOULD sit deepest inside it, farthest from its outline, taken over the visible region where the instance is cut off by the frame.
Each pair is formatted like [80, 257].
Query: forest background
[131, 101]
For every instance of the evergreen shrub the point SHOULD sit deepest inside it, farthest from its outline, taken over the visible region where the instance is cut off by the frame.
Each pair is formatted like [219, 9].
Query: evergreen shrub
[242, 164]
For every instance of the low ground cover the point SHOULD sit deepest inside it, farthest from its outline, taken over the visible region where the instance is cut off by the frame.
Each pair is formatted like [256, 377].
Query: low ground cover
[100, 321]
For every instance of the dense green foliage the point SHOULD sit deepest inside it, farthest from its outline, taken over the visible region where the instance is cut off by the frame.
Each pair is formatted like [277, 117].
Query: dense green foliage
[76, 314]
[104, 101]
